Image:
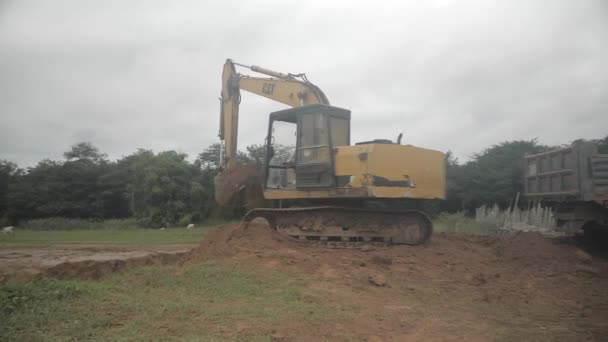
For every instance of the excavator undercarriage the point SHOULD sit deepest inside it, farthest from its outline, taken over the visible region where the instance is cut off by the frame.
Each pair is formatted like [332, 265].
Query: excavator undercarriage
[347, 226]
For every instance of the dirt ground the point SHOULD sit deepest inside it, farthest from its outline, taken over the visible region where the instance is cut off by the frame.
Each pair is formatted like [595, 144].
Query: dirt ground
[82, 261]
[457, 287]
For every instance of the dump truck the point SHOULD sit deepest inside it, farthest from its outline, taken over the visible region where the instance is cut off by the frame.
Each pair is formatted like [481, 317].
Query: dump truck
[324, 189]
[573, 181]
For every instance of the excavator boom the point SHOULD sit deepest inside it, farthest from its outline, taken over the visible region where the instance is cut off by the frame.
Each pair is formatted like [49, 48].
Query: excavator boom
[293, 90]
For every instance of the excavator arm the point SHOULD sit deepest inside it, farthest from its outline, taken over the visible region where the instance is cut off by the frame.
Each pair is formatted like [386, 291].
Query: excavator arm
[291, 89]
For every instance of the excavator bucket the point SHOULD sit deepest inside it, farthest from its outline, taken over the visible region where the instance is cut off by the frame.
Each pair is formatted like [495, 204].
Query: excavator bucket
[240, 183]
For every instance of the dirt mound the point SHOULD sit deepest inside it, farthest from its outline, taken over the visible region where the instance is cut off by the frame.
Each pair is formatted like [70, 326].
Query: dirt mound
[535, 247]
[232, 239]
[456, 251]
[521, 278]
[476, 260]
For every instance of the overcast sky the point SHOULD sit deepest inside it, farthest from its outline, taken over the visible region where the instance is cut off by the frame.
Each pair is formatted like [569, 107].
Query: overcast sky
[450, 75]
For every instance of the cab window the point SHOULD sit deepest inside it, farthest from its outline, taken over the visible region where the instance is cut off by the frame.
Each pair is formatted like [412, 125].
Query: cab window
[314, 139]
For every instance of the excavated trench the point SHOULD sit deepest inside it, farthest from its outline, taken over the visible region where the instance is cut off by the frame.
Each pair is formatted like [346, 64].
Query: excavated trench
[83, 262]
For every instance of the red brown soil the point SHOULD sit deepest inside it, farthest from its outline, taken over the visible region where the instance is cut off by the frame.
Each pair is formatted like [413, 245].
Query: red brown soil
[457, 287]
[88, 262]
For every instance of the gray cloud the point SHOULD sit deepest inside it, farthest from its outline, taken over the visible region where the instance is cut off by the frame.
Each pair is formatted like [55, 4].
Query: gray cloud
[452, 75]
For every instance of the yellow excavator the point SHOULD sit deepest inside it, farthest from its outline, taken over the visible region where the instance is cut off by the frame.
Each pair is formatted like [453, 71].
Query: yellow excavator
[316, 186]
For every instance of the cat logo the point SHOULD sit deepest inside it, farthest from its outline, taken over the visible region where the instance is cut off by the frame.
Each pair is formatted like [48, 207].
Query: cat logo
[268, 88]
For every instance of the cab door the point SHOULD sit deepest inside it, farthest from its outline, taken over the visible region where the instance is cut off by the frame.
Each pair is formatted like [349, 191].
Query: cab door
[314, 162]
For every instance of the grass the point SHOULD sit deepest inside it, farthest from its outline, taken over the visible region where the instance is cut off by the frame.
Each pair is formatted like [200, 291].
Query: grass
[123, 234]
[62, 231]
[33, 238]
[493, 220]
[460, 223]
[198, 302]
[62, 223]
[136, 236]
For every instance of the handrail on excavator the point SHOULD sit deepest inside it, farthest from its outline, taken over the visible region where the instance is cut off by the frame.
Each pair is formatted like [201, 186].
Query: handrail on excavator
[265, 71]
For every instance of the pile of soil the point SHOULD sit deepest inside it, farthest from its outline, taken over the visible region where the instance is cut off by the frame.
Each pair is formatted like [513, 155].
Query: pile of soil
[461, 253]
[231, 239]
[525, 281]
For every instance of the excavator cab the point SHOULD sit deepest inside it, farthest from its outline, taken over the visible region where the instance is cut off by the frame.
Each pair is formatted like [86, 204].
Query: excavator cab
[300, 145]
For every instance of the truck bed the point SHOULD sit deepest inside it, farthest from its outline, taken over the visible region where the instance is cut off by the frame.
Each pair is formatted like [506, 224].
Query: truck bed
[575, 173]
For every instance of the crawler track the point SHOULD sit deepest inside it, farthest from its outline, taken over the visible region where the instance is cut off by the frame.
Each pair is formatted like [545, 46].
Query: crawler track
[347, 226]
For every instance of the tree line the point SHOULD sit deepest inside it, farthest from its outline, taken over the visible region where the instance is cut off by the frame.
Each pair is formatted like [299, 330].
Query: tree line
[157, 189]
[167, 189]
